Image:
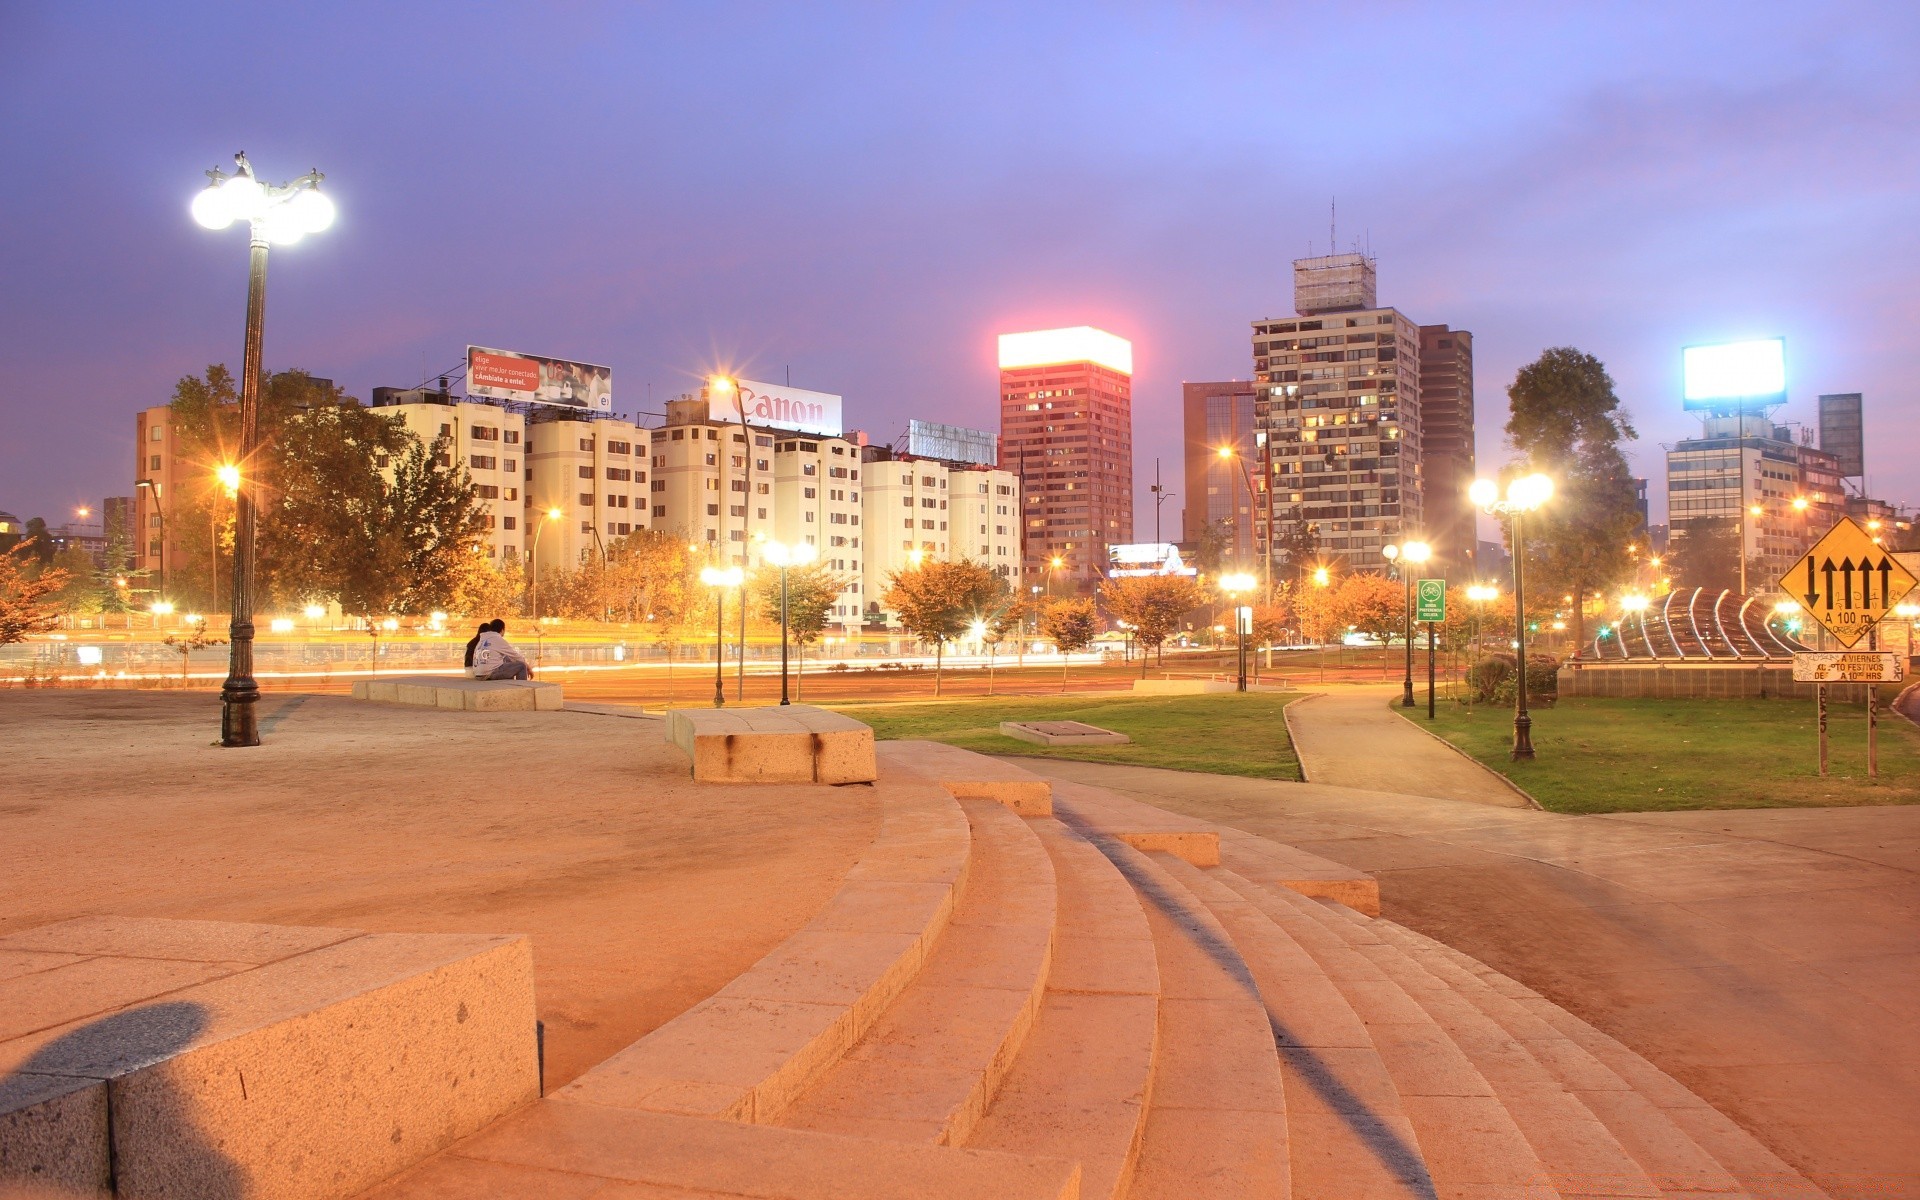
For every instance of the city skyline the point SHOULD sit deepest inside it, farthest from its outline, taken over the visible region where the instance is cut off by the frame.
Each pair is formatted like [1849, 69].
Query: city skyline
[1671, 178]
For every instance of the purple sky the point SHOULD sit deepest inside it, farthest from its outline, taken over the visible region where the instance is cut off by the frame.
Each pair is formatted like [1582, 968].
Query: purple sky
[868, 193]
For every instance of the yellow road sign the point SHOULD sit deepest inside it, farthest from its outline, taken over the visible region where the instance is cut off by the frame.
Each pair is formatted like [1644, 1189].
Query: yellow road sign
[1846, 582]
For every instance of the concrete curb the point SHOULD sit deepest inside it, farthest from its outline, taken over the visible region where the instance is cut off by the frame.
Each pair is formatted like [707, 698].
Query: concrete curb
[1286, 716]
[1515, 788]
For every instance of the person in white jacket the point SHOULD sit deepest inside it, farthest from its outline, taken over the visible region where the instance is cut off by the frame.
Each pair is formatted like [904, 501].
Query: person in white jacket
[495, 658]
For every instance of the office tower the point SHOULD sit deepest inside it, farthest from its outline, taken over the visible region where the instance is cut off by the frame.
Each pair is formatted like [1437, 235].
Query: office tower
[1446, 442]
[1217, 415]
[1066, 428]
[1842, 433]
[1338, 399]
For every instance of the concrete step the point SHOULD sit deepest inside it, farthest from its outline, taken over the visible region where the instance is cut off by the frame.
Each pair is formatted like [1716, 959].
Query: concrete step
[1217, 1121]
[1580, 1150]
[752, 1048]
[1080, 1087]
[1756, 1170]
[1468, 1139]
[565, 1151]
[928, 1068]
[1348, 1134]
[1670, 1157]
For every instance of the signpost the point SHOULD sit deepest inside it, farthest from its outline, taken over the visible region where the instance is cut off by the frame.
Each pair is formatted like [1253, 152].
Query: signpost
[1430, 606]
[1848, 583]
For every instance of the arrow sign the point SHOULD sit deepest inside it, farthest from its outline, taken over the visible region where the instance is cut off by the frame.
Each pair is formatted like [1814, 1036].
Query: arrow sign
[1845, 611]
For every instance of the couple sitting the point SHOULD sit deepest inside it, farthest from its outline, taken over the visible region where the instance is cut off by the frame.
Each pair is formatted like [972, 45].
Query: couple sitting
[491, 656]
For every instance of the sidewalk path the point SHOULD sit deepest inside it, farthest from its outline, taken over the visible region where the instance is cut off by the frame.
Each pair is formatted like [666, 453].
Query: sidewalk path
[1769, 959]
[1353, 738]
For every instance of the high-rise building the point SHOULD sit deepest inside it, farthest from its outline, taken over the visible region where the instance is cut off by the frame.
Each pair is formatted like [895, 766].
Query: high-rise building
[1746, 470]
[1446, 443]
[487, 439]
[1216, 416]
[1338, 400]
[1842, 432]
[158, 479]
[593, 474]
[1066, 429]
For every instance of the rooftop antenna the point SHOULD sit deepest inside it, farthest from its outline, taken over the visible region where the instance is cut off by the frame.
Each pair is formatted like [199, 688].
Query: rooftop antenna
[1333, 213]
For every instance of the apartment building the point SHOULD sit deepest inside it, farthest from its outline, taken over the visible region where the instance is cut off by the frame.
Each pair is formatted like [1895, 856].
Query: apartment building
[1446, 441]
[158, 478]
[922, 509]
[1066, 428]
[1339, 404]
[1782, 493]
[587, 485]
[488, 440]
[817, 502]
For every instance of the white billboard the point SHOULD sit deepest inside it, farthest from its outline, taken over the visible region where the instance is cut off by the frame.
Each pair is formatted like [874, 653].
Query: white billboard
[775, 406]
[1735, 375]
[1145, 558]
[533, 379]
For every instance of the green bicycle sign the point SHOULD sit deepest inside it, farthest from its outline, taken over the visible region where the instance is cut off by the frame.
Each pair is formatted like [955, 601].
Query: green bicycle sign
[1430, 600]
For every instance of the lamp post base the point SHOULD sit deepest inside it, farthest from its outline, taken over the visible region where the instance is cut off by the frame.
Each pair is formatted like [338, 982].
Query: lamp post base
[1522, 737]
[238, 725]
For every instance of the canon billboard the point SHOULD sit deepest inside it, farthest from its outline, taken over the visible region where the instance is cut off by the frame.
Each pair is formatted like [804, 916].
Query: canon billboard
[774, 406]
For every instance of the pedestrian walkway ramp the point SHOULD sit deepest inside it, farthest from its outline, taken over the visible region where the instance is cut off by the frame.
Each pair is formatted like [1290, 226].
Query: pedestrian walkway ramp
[1033, 990]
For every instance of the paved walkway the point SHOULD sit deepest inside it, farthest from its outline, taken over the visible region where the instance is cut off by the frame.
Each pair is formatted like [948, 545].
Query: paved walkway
[1353, 738]
[1768, 959]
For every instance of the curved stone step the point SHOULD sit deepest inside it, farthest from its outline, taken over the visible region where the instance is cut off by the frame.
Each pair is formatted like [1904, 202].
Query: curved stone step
[1347, 1132]
[746, 1052]
[927, 1069]
[1671, 1158]
[1081, 1085]
[1217, 1120]
[1757, 1170]
[1468, 1139]
[1579, 1148]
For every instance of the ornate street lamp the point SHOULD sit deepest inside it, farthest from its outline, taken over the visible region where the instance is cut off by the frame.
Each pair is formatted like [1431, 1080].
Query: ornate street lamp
[552, 514]
[720, 579]
[1235, 585]
[784, 556]
[276, 215]
[1414, 553]
[1524, 495]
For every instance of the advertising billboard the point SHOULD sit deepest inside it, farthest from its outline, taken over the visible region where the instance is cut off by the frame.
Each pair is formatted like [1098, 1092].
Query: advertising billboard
[531, 379]
[952, 443]
[1146, 558]
[1734, 376]
[776, 406]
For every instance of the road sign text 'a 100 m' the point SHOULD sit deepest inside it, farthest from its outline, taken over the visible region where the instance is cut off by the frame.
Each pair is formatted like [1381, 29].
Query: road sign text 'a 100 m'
[1847, 582]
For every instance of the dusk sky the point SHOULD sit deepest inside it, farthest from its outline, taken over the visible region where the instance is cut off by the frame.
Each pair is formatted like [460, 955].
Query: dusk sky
[867, 194]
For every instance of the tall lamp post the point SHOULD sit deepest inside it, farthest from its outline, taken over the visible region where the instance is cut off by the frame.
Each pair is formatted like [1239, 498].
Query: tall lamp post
[552, 514]
[730, 386]
[1253, 501]
[276, 215]
[159, 510]
[784, 556]
[1412, 554]
[1524, 495]
[1234, 586]
[720, 579]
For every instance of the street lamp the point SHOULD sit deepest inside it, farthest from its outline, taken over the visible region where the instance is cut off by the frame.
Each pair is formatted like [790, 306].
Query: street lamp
[1321, 578]
[1253, 500]
[1414, 553]
[784, 556]
[720, 579]
[1524, 495]
[159, 510]
[1234, 585]
[552, 514]
[1053, 564]
[279, 215]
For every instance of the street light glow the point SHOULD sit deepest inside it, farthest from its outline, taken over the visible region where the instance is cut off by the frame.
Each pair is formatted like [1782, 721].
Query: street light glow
[1634, 603]
[723, 577]
[1480, 593]
[229, 477]
[780, 554]
[1321, 577]
[1237, 582]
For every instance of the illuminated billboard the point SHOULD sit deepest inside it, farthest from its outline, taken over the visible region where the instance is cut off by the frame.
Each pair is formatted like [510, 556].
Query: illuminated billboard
[952, 443]
[1731, 376]
[1082, 343]
[775, 406]
[532, 379]
[1145, 558]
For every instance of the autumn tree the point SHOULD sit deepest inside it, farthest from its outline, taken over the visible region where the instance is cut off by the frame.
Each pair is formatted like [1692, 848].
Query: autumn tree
[1567, 422]
[1372, 604]
[1154, 605]
[484, 588]
[1316, 610]
[1071, 625]
[28, 594]
[1705, 553]
[938, 601]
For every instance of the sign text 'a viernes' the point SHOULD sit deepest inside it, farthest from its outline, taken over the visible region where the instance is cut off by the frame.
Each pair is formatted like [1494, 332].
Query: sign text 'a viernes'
[1852, 666]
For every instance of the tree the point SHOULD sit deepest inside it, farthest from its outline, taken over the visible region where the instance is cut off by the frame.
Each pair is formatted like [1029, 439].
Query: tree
[812, 591]
[1070, 625]
[38, 541]
[1567, 422]
[84, 592]
[1705, 553]
[1316, 611]
[1372, 604]
[28, 602]
[1154, 605]
[938, 601]
[1210, 548]
[484, 589]
[1297, 544]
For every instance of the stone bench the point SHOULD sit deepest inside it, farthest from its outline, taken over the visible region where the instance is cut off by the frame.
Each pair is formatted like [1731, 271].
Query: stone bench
[793, 743]
[463, 694]
[1181, 687]
[198, 1058]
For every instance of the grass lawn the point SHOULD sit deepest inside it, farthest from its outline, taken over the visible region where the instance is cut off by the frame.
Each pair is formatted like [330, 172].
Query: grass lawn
[1656, 755]
[1226, 734]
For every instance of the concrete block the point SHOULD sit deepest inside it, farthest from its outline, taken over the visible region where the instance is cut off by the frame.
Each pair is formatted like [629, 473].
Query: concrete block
[1198, 847]
[53, 1135]
[782, 744]
[1181, 687]
[1063, 733]
[462, 694]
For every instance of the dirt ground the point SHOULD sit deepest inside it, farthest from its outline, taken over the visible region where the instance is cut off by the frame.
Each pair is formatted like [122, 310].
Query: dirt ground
[642, 892]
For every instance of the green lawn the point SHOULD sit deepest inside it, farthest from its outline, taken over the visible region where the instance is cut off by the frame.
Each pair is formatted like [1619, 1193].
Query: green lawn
[1656, 755]
[1228, 734]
